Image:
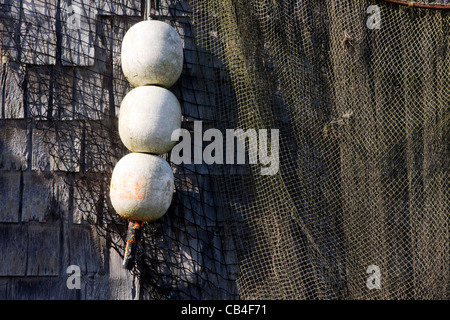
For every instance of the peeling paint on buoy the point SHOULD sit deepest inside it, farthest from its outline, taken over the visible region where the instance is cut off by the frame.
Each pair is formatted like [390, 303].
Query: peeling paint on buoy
[142, 187]
[152, 54]
[148, 116]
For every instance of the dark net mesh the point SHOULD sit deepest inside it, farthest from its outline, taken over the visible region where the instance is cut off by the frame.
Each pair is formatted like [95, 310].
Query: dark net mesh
[363, 114]
[360, 100]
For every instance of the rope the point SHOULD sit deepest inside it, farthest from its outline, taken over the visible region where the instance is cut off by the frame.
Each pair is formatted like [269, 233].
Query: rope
[149, 10]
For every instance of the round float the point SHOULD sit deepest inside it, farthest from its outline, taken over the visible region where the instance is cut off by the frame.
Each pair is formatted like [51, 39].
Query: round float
[148, 116]
[142, 187]
[152, 54]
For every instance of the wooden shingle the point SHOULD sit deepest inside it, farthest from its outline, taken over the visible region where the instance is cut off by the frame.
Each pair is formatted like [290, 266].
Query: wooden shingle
[78, 32]
[119, 7]
[43, 249]
[38, 32]
[10, 196]
[13, 260]
[13, 145]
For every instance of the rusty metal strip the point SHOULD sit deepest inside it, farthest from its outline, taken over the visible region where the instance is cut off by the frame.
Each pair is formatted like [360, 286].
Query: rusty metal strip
[414, 4]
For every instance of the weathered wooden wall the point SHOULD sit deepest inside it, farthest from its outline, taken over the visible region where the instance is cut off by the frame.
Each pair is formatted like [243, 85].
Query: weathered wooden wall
[41, 234]
[49, 66]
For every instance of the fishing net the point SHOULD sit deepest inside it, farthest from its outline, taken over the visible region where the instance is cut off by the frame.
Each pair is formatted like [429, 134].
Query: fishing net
[360, 96]
[358, 206]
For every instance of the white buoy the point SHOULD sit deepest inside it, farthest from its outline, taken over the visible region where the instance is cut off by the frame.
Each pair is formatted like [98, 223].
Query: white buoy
[148, 115]
[152, 54]
[142, 187]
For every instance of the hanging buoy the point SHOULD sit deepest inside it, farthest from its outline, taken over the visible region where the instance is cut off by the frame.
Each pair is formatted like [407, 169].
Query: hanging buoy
[148, 116]
[142, 183]
[152, 54]
[142, 187]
